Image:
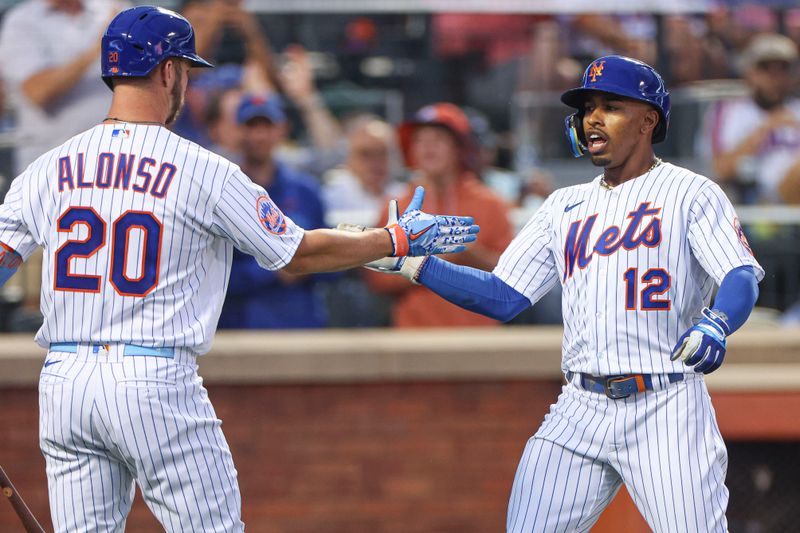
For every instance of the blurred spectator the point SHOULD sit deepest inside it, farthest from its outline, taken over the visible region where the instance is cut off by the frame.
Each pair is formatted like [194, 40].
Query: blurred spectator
[227, 33]
[536, 188]
[356, 193]
[3, 103]
[202, 108]
[236, 42]
[324, 147]
[693, 53]
[246, 62]
[50, 51]
[507, 184]
[632, 35]
[297, 81]
[223, 130]
[259, 298]
[484, 57]
[5, 126]
[437, 143]
[753, 141]
[360, 188]
[789, 188]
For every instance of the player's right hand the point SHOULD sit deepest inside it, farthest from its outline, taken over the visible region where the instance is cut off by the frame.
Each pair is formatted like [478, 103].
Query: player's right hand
[703, 346]
[416, 233]
[9, 263]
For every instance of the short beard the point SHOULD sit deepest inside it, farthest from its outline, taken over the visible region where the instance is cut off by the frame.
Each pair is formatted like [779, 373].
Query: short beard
[600, 161]
[766, 104]
[176, 98]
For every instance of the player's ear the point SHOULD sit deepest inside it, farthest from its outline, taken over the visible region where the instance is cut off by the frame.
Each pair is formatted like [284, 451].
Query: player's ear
[161, 73]
[167, 72]
[650, 121]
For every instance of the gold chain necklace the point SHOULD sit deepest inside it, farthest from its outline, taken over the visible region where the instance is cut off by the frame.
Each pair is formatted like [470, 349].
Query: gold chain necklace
[605, 185]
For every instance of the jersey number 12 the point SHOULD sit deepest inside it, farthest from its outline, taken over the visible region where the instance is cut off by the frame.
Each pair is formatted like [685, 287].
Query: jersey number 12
[656, 282]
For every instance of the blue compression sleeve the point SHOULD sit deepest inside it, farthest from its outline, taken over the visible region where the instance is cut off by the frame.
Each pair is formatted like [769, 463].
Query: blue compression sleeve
[9, 263]
[473, 289]
[737, 296]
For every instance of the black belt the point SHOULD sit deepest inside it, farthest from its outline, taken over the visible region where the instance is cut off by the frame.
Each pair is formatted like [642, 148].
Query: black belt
[621, 385]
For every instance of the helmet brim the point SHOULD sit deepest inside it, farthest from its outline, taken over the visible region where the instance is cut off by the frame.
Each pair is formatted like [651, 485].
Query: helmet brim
[197, 61]
[576, 97]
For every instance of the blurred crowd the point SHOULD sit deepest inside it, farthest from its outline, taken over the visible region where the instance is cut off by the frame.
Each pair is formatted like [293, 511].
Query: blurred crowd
[333, 115]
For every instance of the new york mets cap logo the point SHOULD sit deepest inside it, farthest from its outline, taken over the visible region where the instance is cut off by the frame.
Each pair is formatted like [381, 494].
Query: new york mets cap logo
[270, 216]
[596, 70]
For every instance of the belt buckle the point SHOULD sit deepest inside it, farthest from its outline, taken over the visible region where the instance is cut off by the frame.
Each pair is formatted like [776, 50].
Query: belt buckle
[607, 386]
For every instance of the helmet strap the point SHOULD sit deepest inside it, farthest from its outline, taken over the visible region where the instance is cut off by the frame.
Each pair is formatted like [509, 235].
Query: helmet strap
[576, 144]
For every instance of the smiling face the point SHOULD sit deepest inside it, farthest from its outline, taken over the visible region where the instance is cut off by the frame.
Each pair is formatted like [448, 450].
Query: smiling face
[616, 128]
[435, 151]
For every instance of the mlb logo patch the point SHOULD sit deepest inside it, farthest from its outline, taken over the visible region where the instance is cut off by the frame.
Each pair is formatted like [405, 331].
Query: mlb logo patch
[120, 133]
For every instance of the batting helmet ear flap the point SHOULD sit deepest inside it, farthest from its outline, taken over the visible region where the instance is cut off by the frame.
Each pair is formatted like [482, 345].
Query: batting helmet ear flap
[574, 129]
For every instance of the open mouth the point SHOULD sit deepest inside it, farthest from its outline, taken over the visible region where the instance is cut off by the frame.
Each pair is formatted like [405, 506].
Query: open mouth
[596, 143]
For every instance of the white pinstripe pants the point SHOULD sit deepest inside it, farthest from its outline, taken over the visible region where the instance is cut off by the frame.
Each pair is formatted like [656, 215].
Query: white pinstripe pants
[108, 421]
[664, 445]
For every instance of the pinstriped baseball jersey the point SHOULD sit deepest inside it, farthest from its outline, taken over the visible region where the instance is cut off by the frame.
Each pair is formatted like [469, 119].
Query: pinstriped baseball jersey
[138, 226]
[637, 263]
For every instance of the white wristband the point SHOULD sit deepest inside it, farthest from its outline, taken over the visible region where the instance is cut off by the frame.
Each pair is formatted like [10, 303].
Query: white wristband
[411, 268]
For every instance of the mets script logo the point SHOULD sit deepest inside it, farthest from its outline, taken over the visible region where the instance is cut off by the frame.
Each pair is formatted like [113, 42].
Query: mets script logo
[577, 248]
[596, 70]
[270, 216]
[740, 232]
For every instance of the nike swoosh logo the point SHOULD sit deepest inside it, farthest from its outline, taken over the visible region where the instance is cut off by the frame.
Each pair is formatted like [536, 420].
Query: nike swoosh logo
[414, 236]
[573, 206]
[48, 363]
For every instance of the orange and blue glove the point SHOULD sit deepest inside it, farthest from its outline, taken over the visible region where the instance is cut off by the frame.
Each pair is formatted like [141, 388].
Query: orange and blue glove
[416, 233]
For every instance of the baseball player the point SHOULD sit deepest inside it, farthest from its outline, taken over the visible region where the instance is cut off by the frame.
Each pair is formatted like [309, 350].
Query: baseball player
[138, 227]
[638, 252]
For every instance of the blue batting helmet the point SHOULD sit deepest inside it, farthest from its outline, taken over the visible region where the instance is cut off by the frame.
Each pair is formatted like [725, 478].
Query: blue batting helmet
[141, 37]
[622, 76]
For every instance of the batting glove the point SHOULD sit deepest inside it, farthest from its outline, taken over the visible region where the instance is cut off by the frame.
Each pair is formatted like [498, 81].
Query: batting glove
[703, 345]
[418, 234]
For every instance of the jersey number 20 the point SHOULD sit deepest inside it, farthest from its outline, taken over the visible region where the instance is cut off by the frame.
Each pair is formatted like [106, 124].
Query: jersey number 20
[121, 229]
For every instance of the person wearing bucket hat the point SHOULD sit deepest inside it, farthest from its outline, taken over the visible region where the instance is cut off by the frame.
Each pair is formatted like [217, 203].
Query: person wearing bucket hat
[438, 145]
[753, 141]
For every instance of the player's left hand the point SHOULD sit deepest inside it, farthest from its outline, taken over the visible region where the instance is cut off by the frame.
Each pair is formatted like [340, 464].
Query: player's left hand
[703, 345]
[405, 266]
[416, 233]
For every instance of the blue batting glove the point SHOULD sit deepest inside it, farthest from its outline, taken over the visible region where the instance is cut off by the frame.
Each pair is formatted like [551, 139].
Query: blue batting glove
[703, 345]
[416, 233]
[9, 263]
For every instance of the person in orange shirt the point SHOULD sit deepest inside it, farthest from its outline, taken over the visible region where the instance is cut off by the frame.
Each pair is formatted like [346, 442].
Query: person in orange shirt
[437, 143]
